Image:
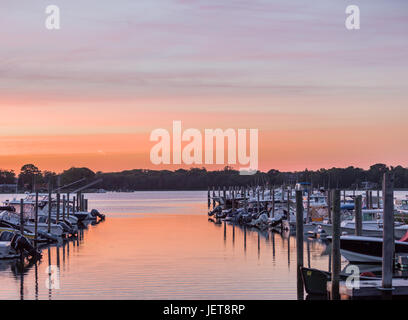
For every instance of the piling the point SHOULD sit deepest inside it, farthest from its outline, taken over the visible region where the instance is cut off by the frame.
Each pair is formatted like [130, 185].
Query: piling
[58, 206]
[388, 231]
[67, 205]
[273, 203]
[233, 201]
[358, 204]
[22, 216]
[257, 201]
[336, 257]
[367, 200]
[224, 196]
[49, 209]
[299, 242]
[36, 220]
[208, 198]
[63, 207]
[329, 205]
[308, 204]
[73, 206]
[288, 205]
[213, 195]
[378, 199]
[82, 202]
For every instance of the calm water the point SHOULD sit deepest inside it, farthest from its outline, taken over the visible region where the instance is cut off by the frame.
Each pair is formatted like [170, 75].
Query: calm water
[160, 245]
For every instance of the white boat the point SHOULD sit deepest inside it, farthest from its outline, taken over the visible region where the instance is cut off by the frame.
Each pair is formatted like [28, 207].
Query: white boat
[29, 223]
[13, 244]
[372, 225]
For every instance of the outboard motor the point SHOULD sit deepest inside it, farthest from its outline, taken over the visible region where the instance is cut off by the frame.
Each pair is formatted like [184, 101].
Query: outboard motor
[21, 244]
[95, 213]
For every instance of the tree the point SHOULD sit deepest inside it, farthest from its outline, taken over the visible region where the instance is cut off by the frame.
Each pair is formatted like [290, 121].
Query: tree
[7, 177]
[74, 174]
[29, 176]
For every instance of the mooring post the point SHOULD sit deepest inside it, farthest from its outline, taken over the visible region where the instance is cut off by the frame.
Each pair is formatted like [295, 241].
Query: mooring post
[329, 205]
[233, 201]
[367, 199]
[257, 201]
[73, 206]
[22, 216]
[378, 199]
[288, 206]
[273, 202]
[208, 198]
[63, 207]
[245, 202]
[358, 205]
[299, 242]
[336, 257]
[213, 196]
[49, 208]
[86, 205]
[344, 196]
[224, 195]
[388, 231]
[308, 204]
[67, 206]
[58, 206]
[36, 220]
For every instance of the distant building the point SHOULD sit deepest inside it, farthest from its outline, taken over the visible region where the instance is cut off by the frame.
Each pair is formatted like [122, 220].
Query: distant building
[8, 188]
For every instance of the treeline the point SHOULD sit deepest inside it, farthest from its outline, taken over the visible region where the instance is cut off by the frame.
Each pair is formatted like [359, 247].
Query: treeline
[31, 178]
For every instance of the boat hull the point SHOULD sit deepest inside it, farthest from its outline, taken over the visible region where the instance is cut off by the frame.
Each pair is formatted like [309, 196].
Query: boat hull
[367, 249]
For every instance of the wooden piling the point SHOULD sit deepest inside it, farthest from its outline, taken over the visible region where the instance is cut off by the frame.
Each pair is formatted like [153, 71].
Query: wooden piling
[273, 202]
[257, 201]
[308, 204]
[224, 196]
[299, 242]
[208, 198]
[233, 201]
[288, 206]
[67, 206]
[63, 207]
[36, 220]
[336, 257]
[358, 205]
[82, 202]
[329, 205]
[49, 208]
[58, 206]
[22, 216]
[73, 206]
[388, 230]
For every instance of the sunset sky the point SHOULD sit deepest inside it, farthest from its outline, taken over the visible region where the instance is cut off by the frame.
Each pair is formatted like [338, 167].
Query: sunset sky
[90, 93]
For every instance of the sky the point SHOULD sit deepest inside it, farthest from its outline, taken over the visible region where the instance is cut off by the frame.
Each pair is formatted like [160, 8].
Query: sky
[91, 93]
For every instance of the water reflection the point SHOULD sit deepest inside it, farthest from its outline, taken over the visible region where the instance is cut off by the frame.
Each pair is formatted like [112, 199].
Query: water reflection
[316, 251]
[165, 256]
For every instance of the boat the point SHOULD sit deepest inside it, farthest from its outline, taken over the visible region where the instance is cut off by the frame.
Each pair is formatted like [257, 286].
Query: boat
[12, 245]
[315, 280]
[372, 225]
[29, 223]
[360, 249]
